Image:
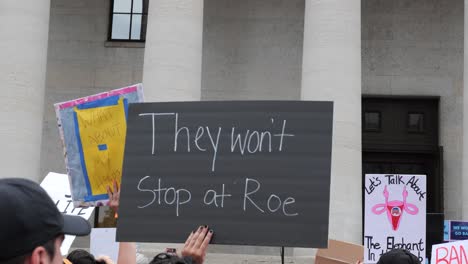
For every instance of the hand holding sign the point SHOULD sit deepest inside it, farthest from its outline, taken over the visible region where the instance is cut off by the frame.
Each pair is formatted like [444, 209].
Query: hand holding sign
[197, 244]
[114, 196]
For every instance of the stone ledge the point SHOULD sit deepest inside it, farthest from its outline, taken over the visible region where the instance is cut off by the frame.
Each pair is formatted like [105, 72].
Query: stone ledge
[123, 44]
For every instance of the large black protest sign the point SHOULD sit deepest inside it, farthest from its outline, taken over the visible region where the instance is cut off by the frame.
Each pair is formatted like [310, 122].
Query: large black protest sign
[256, 172]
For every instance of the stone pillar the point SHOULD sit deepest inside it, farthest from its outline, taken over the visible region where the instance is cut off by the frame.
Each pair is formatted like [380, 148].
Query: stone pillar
[173, 56]
[464, 180]
[173, 50]
[24, 27]
[331, 71]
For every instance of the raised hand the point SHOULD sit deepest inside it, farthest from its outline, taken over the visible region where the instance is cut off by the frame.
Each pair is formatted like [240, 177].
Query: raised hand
[197, 244]
[114, 196]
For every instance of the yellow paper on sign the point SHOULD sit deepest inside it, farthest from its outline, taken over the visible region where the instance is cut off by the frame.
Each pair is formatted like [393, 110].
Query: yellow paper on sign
[102, 133]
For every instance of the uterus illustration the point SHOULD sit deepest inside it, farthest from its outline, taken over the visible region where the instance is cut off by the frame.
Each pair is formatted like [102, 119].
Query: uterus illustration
[395, 208]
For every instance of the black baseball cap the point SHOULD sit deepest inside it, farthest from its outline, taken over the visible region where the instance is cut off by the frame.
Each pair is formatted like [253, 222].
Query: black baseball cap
[398, 256]
[29, 218]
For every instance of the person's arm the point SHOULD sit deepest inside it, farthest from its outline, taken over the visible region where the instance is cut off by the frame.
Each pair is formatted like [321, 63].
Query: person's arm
[197, 243]
[127, 253]
[127, 250]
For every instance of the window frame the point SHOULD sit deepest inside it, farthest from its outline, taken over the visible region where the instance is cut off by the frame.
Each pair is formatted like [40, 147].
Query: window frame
[111, 21]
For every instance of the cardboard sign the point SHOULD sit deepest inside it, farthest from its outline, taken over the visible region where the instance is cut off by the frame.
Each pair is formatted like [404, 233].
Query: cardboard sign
[102, 243]
[450, 253]
[92, 130]
[339, 252]
[395, 215]
[256, 172]
[58, 188]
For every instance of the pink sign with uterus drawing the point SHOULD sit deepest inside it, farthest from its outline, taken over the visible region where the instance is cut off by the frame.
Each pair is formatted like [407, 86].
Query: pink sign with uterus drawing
[395, 214]
[394, 209]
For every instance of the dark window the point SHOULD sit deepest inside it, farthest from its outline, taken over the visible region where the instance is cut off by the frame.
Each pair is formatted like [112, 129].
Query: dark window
[372, 121]
[128, 19]
[415, 122]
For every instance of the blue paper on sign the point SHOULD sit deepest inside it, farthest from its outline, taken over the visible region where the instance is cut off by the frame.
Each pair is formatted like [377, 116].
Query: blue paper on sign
[446, 230]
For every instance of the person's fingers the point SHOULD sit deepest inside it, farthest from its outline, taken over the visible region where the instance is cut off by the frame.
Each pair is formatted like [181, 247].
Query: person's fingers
[195, 236]
[116, 187]
[201, 236]
[187, 242]
[206, 241]
[109, 191]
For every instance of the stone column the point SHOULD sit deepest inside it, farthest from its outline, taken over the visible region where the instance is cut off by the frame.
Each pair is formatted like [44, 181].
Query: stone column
[24, 27]
[464, 180]
[173, 58]
[173, 50]
[331, 71]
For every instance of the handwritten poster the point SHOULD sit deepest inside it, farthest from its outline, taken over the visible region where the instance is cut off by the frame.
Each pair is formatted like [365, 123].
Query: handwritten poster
[101, 136]
[257, 172]
[450, 253]
[58, 188]
[93, 130]
[395, 215]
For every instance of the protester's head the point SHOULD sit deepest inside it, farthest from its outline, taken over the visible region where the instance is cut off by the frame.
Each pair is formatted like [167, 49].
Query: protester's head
[398, 256]
[165, 258]
[80, 256]
[31, 227]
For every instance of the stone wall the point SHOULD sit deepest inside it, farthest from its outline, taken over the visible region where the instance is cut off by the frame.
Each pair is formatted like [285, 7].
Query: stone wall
[80, 64]
[414, 47]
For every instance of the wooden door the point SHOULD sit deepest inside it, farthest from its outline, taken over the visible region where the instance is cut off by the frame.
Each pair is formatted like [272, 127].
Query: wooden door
[400, 136]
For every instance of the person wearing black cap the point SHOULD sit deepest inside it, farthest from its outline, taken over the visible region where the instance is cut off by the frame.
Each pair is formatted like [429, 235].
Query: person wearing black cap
[398, 256]
[31, 227]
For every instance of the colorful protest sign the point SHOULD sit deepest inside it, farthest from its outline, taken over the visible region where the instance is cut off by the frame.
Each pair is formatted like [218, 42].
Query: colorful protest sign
[93, 130]
[58, 188]
[450, 253]
[395, 215]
